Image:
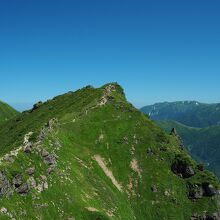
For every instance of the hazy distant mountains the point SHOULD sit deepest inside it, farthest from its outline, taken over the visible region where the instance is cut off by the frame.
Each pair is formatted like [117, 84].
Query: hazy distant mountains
[190, 113]
[197, 124]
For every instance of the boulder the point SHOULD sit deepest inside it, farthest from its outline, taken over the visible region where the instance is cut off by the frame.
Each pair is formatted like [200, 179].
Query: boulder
[17, 180]
[31, 182]
[50, 159]
[3, 210]
[23, 189]
[195, 192]
[199, 191]
[182, 169]
[28, 147]
[30, 171]
[154, 189]
[209, 190]
[44, 153]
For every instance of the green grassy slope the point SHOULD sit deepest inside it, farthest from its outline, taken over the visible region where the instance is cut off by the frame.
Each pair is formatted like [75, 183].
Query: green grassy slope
[203, 143]
[111, 162]
[6, 112]
[190, 113]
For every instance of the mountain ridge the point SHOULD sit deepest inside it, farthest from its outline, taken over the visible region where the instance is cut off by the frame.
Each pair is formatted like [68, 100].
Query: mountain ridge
[91, 155]
[190, 113]
[6, 112]
[203, 143]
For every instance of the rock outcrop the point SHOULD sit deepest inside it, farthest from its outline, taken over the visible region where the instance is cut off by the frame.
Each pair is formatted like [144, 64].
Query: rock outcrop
[5, 187]
[215, 216]
[204, 190]
[182, 169]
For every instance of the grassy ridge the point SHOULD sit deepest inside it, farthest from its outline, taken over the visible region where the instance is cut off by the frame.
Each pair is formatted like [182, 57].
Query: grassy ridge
[134, 151]
[6, 112]
[203, 143]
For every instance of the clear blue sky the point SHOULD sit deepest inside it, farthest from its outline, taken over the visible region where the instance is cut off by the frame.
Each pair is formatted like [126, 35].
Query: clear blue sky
[157, 50]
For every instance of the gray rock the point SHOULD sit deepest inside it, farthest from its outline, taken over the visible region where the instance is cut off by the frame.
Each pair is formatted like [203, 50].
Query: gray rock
[182, 169]
[154, 189]
[195, 192]
[30, 171]
[50, 159]
[44, 153]
[17, 180]
[209, 190]
[150, 151]
[173, 132]
[32, 182]
[9, 158]
[28, 147]
[51, 123]
[23, 189]
[5, 187]
[205, 217]
[50, 169]
[189, 171]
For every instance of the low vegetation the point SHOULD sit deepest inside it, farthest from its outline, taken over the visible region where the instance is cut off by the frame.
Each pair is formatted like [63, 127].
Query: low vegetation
[90, 155]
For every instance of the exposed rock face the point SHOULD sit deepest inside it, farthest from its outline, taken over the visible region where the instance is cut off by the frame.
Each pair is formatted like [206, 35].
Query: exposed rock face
[209, 190]
[195, 192]
[175, 134]
[51, 123]
[182, 169]
[19, 184]
[215, 216]
[107, 94]
[199, 191]
[5, 186]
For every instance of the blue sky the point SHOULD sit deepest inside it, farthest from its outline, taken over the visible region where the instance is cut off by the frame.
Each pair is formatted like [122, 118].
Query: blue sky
[157, 50]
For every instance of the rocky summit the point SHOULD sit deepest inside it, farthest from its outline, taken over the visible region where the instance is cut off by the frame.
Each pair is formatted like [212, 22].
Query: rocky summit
[90, 155]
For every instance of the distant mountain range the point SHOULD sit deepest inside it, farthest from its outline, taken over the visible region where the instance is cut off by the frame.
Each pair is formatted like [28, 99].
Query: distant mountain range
[196, 123]
[190, 113]
[90, 155]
